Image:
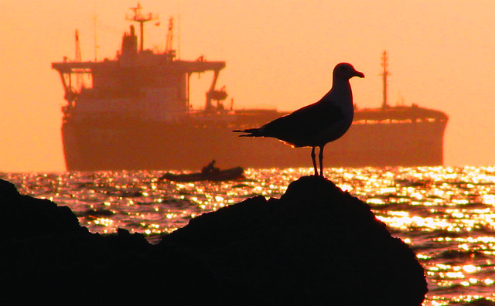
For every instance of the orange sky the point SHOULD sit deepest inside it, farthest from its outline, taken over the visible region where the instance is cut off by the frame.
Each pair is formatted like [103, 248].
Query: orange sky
[279, 54]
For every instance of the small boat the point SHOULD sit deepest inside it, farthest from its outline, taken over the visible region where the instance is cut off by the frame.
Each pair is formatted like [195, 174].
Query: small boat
[220, 175]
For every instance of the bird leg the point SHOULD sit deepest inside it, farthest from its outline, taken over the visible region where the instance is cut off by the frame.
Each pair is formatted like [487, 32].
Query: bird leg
[321, 161]
[313, 156]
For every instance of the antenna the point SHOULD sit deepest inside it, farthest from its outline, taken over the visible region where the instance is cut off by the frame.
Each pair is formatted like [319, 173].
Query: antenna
[170, 36]
[178, 34]
[141, 19]
[77, 60]
[385, 74]
[78, 48]
[95, 24]
[96, 39]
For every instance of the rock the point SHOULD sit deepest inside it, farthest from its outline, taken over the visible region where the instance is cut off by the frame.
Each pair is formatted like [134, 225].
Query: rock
[316, 245]
[46, 257]
[7, 190]
[24, 217]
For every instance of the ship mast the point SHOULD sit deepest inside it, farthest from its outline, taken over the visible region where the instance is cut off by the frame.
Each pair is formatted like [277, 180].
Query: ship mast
[385, 74]
[141, 19]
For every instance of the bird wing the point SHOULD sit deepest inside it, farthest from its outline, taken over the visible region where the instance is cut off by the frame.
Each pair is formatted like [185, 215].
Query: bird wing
[300, 126]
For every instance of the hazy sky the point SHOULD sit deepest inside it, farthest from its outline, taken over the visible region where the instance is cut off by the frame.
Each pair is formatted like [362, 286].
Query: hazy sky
[279, 54]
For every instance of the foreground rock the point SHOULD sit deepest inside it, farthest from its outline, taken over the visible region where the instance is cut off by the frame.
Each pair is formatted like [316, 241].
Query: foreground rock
[315, 246]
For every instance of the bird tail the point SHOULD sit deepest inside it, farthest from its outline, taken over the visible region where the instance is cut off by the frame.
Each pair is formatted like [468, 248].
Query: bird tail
[249, 133]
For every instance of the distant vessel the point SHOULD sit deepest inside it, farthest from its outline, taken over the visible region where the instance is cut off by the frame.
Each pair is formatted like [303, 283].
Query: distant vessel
[136, 115]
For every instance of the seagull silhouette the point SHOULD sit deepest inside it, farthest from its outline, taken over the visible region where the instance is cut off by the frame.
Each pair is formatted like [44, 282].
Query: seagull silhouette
[319, 123]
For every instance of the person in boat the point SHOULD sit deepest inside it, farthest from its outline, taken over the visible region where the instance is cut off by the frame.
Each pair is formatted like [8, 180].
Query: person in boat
[210, 169]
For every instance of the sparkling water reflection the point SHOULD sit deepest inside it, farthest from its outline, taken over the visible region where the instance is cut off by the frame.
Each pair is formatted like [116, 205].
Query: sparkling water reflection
[445, 214]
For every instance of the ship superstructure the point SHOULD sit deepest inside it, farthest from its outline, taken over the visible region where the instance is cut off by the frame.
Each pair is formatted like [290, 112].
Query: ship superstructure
[138, 84]
[135, 114]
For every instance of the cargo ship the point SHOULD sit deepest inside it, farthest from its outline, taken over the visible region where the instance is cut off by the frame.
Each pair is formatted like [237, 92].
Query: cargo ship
[135, 114]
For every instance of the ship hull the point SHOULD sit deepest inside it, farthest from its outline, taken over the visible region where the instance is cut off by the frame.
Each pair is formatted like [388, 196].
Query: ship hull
[145, 146]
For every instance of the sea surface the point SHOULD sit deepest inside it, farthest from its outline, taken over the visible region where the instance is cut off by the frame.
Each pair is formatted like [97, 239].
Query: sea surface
[446, 214]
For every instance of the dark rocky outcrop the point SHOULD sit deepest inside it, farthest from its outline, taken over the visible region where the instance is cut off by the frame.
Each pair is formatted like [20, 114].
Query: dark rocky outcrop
[316, 245]
[46, 257]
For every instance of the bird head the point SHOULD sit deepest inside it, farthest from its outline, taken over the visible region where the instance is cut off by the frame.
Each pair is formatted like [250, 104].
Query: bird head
[346, 71]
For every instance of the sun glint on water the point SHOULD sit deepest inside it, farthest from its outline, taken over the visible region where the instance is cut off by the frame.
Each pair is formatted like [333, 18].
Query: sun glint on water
[445, 214]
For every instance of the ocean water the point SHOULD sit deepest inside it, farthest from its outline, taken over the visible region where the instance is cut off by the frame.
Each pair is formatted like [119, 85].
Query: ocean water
[446, 214]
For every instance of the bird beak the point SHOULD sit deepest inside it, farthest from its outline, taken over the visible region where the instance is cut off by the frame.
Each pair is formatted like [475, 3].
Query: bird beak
[359, 74]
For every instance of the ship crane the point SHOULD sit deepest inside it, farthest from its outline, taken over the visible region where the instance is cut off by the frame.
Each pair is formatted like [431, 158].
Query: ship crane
[170, 39]
[215, 95]
[72, 91]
